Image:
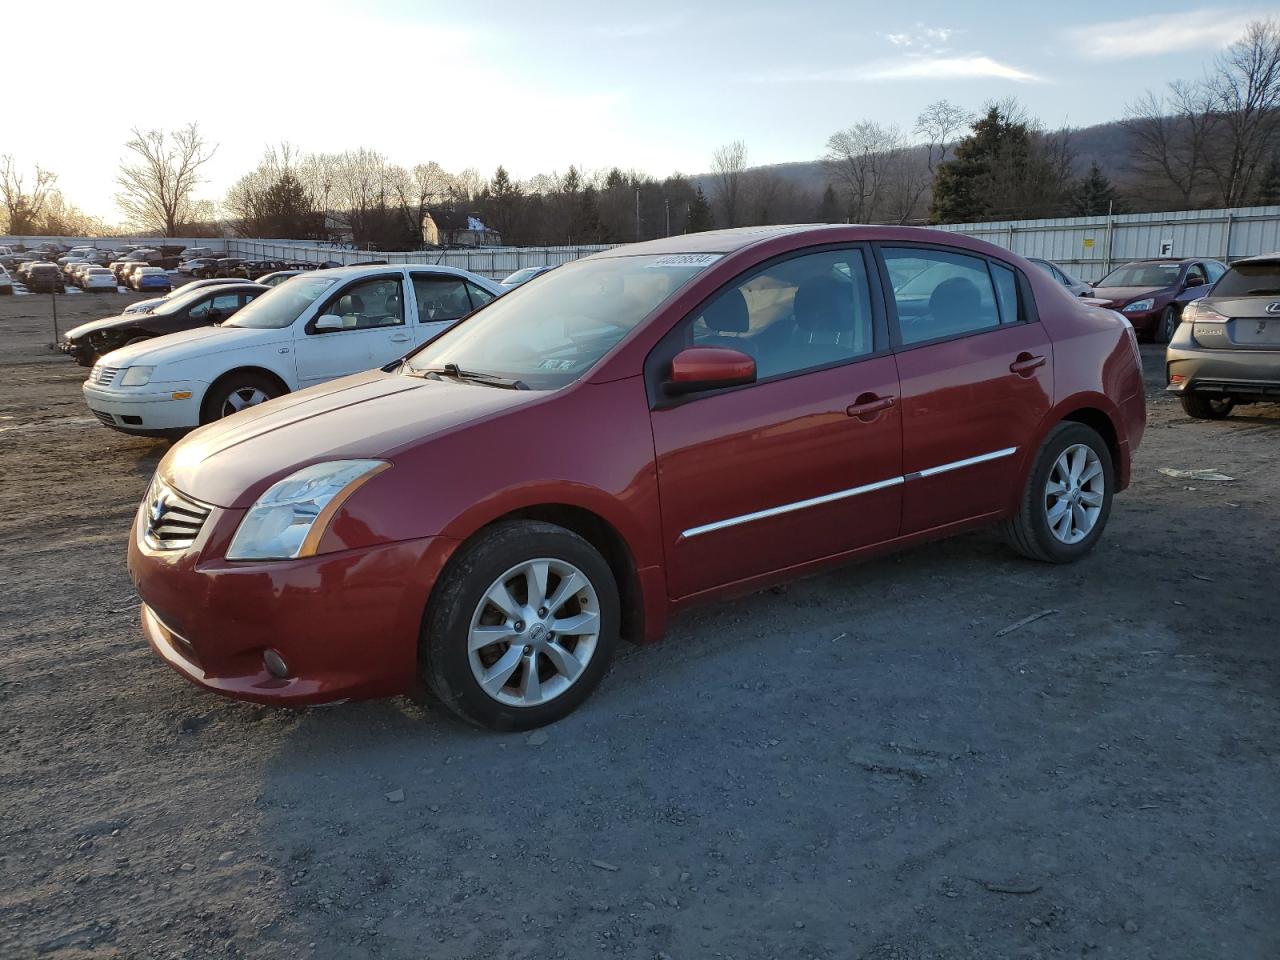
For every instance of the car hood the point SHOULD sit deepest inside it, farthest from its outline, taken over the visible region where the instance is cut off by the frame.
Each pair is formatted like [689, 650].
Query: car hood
[202, 342]
[371, 415]
[75, 333]
[1125, 294]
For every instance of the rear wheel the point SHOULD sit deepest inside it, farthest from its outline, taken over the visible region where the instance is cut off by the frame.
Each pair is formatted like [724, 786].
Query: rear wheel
[1206, 408]
[1067, 499]
[521, 627]
[236, 392]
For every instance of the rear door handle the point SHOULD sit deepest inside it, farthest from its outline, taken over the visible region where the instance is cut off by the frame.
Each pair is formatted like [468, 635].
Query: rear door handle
[869, 404]
[1026, 364]
[400, 338]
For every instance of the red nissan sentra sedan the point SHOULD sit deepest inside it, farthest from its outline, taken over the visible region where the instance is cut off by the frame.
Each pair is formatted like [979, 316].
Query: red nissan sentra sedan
[656, 425]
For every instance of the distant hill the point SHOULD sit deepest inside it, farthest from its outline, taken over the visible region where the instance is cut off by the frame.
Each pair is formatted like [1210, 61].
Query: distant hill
[1107, 143]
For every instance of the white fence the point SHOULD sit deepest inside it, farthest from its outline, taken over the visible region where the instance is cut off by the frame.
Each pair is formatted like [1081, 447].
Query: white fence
[1089, 247]
[1085, 246]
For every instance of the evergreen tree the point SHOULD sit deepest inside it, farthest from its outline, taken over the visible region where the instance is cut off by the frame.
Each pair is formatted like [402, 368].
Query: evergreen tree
[829, 210]
[699, 218]
[1093, 194]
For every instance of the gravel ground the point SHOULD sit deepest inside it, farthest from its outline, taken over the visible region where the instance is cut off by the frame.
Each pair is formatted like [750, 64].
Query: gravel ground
[864, 764]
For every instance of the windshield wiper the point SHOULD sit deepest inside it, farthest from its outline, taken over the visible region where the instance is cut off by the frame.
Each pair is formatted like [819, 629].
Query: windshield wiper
[488, 379]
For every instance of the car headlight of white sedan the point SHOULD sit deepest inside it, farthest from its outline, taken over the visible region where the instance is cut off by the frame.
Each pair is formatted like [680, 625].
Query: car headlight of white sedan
[289, 519]
[137, 376]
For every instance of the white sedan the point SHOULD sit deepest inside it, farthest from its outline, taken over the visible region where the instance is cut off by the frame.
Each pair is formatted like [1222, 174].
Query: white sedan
[310, 329]
[97, 278]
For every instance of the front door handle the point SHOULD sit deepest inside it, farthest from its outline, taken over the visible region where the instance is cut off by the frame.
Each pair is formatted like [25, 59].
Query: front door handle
[868, 405]
[400, 338]
[1026, 364]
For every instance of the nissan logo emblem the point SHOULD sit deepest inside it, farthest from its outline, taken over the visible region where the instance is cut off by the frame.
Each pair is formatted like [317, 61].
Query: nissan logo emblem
[1273, 307]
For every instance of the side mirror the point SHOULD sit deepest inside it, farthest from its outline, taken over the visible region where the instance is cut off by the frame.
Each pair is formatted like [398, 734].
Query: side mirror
[328, 321]
[709, 368]
[1194, 281]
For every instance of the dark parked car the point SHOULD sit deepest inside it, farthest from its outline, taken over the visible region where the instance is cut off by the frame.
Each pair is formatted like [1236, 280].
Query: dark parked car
[202, 267]
[525, 274]
[749, 406]
[1144, 291]
[41, 277]
[1226, 350]
[201, 307]
[1077, 288]
[226, 267]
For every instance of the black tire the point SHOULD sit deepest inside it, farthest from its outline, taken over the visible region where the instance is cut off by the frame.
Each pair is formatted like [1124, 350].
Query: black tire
[1028, 529]
[1169, 320]
[219, 394]
[1207, 408]
[443, 659]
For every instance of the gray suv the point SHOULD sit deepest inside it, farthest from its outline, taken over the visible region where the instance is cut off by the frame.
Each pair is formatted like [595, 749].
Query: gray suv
[1226, 350]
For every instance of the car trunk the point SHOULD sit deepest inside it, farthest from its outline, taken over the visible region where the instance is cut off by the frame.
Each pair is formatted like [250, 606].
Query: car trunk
[1250, 327]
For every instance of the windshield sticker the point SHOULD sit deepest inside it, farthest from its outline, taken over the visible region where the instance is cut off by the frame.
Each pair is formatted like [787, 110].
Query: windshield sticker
[687, 260]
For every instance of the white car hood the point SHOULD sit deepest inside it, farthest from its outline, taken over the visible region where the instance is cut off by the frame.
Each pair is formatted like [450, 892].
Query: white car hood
[201, 342]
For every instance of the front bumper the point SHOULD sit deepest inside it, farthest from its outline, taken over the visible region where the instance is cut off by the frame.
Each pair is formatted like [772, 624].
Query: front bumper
[1246, 375]
[1147, 321]
[345, 624]
[151, 410]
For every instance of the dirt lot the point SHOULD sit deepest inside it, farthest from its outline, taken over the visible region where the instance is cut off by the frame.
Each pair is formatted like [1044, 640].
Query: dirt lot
[862, 765]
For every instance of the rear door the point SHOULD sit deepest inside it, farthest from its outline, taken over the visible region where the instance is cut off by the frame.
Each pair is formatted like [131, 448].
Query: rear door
[441, 301]
[373, 331]
[976, 369]
[805, 463]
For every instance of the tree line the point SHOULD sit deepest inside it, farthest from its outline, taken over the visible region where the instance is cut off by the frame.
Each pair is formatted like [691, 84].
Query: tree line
[1212, 141]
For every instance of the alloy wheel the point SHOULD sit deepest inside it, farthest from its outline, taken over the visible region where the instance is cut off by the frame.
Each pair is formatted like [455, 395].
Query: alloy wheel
[1074, 493]
[533, 632]
[243, 397]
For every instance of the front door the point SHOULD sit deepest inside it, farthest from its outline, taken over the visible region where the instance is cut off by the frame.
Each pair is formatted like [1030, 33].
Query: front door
[373, 331]
[976, 368]
[806, 462]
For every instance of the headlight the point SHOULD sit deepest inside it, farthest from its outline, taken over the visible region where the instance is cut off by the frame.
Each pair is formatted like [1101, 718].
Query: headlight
[1139, 305]
[137, 376]
[290, 518]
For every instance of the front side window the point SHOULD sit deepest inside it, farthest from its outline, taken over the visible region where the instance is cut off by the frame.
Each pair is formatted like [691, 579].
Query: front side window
[794, 315]
[548, 334]
[940, 294]
[367, 305]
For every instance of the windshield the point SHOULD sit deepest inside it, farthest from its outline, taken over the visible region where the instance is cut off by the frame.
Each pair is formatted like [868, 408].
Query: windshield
[178, 300]
[520, 276]
[280, 306]
[550, 333]
[1249, 280]
[1143, 275]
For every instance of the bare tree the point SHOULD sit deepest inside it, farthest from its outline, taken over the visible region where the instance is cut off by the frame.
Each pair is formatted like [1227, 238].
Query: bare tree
[728, 164]
[1171, 137]
[156, 189]
[23, 205]
[1244, 88]
[859, 159]
[940, 124]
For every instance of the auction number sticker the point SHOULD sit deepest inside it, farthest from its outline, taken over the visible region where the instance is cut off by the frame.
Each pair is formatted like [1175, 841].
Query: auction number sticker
[687, 260]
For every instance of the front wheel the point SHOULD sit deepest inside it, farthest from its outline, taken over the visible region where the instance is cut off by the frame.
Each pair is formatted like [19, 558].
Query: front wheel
[237, 392]
[1169, 321]
[1206, 408]
[521, 627]
[1067, 499]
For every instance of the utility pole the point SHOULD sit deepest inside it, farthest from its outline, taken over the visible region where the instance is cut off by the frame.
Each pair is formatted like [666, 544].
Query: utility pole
[666, 206]
[637, 213]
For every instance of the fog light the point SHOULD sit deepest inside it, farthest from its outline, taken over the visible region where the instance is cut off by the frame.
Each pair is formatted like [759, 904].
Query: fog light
[275, 664]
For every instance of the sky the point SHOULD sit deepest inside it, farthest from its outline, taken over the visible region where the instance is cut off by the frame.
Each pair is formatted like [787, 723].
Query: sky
[539, 86]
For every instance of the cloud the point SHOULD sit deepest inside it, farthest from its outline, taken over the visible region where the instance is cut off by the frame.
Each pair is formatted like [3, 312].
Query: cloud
[921, 38]
[960, 66]
[1161, 33]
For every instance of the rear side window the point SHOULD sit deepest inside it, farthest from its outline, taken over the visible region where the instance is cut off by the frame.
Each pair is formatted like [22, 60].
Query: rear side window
[1006, 292]
[1250, 280]
[440, 297]
[940, 294]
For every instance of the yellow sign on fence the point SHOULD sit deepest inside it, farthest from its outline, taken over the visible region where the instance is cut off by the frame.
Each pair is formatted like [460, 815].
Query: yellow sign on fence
[1088, 243]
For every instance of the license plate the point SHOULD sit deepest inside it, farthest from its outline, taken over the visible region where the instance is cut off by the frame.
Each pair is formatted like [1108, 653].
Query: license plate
[1256, 331]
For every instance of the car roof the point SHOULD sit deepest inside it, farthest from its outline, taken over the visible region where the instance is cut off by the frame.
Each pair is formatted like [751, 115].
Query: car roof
[343, 273]
[1260, 258]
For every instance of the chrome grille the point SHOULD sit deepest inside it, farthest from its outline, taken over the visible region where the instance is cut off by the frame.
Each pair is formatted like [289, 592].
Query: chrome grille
[104, 376]
[172, 521]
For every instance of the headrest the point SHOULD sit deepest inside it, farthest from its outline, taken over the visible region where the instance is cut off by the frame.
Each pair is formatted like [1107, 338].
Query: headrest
[954, 297]
[822, 304]
[728, 313]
